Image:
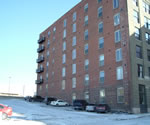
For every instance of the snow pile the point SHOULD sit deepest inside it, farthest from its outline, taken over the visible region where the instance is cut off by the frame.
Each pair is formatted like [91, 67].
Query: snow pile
[26, 113]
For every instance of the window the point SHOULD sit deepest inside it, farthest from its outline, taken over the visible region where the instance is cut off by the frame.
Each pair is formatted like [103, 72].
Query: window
[120, 95]
[64, 58]
[48, 44]
[116, 19]
[54, 30]
[148, 55]
[86, 49]
[86, 20]
[86, 8]
[140, 71]
[63, 84]
[101, 42]
[47, 54]
[86, 35]
[74, 54]
[147, 23]
[73, 68]
[137, 33]
[136, 16]
[65, 22]
[74, 82]
[135, 2]
[99, 1]
[74, 39]
[102, 96]
[86, 96]
[74, 96]
[139, 52]
[100, 27]
[86, 64]
[64, 46]
[63, 72]
[146, 7]
[41, 78]
[117, 36]
[119, 73]
[147, 38]
[74, 28]
[86, 79]
[115, 4]
[49, 33]
[46, 76]
[102, 76]
[118, 55]
[64, 33]
[74, 17]
[47, 64]
[149, 72]
[100, 11]
[101, 60]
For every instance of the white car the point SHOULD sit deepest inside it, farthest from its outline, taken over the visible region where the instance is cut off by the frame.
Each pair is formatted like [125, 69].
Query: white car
[59, 103]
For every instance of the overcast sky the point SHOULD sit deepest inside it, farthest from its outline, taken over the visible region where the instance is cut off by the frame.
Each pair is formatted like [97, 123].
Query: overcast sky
[21, 22]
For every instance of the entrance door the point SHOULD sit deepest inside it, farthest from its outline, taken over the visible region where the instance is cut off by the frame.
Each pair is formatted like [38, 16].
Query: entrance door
[142, 99]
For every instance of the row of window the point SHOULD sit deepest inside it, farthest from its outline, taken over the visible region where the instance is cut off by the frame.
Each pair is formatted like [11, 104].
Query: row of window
[101, 57]
[102, 95]
[140, 71]
[139, 53]
[146, 6]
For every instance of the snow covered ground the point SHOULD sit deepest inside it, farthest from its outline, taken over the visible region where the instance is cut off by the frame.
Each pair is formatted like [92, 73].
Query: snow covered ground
[27, 113]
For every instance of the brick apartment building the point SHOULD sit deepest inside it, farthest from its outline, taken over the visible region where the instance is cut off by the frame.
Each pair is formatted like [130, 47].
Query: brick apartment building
[98, 51]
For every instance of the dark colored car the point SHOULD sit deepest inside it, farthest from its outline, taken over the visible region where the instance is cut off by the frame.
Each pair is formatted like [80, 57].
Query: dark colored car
[79, 104]
[36, 99]
[102, 108]
[48, 100]
[5, 111]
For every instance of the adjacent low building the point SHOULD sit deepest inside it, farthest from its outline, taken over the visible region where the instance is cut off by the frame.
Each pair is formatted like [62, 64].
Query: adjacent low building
[98, 51]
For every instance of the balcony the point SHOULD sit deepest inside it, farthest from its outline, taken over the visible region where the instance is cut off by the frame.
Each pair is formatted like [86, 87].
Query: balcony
[39, 81]
[40, 49]
[41, 40]
[39, 70]
[40, 59]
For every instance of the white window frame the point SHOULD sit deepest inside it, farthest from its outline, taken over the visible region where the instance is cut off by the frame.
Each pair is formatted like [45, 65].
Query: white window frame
[119, 73]
[116, 19]
[119, 55]
[117, 36]
[73, 68]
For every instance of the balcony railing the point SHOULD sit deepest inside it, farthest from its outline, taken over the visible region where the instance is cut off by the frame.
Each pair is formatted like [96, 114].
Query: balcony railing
[40, 49]
[39, 70]
[40, 59]
[39, 81]
[42, 39]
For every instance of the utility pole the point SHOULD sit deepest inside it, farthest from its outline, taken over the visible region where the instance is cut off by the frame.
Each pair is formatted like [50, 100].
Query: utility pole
[9, 85]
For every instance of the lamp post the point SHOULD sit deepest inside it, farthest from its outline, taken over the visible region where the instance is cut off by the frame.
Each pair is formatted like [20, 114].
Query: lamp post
[9, 85]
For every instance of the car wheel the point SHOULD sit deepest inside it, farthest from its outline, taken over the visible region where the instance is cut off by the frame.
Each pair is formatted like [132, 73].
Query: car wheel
[4, 116]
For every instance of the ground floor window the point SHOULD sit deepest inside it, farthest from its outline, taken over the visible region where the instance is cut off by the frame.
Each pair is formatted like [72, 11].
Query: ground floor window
[120, 95]
[102, 96]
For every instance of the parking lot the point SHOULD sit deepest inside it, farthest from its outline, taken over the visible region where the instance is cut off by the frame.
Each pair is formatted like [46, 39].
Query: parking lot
[33, 113]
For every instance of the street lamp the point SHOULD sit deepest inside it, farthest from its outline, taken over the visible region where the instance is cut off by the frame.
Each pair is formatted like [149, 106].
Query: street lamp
[9, 85]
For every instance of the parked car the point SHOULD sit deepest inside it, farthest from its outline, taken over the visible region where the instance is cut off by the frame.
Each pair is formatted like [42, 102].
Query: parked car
[79, 104]
[5, 111]
[48, 100]
[27, 98]
[90, 107]
[59, 103]
[36, 99]
[102, 108]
